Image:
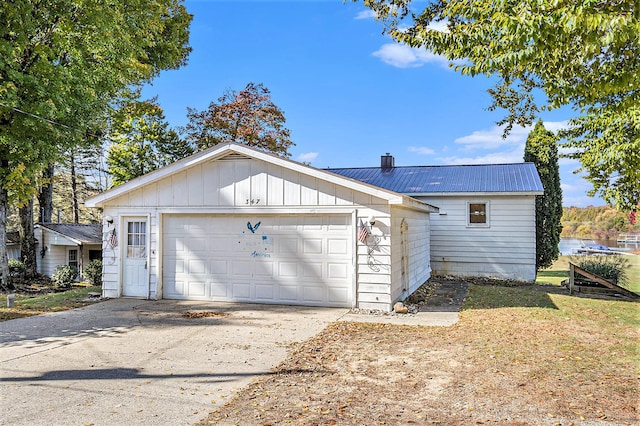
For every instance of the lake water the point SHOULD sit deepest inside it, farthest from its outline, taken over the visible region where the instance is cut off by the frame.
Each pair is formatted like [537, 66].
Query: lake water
[568, 244]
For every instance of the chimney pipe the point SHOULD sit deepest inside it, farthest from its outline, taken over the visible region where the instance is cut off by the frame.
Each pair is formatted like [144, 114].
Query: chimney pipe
[387, 161]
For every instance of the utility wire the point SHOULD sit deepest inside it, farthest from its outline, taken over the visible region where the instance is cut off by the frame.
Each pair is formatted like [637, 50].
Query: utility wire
[55, 123]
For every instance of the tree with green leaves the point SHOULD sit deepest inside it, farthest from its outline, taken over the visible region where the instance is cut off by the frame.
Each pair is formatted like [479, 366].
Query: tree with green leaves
[542, 150]
[546, 54]
[142, 142]
[248, 117]
[63, 64]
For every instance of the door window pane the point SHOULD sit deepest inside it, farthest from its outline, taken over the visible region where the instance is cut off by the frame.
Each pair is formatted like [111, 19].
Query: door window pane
[136, 239]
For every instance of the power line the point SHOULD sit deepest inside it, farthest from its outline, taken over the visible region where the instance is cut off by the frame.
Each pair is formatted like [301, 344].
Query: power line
[55, 123]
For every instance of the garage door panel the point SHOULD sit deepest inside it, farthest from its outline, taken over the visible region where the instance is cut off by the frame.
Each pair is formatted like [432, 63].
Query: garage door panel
[219, 267]
[338, 247]
[312, 270]
[196, 266]
[287, 246]
[288, 293]
[313, 294]
[338, 295]
[218, 290]
[338, 271]
[241, 291]
[241, 268]
[197, 288]
[297, 259]
[264, 269]
[264, 292]
[312, 246]
[288, 269]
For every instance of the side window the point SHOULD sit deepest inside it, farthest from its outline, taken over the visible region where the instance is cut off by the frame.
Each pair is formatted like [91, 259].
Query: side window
[73, 259]
[478, 213]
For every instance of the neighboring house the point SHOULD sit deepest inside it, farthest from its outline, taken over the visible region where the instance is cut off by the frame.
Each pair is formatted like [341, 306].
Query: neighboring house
[486, 223]
[13, 245]
[67, 244]
[236, 224]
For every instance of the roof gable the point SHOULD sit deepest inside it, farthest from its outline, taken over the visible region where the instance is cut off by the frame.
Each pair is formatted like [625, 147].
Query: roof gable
[515, 178]
[79, 233]
[232, 151]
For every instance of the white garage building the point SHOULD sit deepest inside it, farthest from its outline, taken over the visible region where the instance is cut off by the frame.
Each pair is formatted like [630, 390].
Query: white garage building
[236, 224]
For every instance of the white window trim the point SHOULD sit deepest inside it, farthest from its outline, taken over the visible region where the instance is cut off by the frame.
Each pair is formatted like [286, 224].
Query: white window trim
[487, 223]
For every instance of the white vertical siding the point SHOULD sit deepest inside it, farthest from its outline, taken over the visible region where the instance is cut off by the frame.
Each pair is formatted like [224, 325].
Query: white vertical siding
[504, 249]
[241, 183]
[250, 183]
[418, 264]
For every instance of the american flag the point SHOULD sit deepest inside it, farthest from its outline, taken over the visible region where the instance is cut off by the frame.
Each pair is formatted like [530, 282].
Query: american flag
[363, 232]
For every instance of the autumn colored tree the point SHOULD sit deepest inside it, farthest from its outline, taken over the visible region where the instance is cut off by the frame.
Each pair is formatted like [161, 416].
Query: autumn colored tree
[541, 149]
[63, 63]
[142, 142]
[546, 54]
[248, 117]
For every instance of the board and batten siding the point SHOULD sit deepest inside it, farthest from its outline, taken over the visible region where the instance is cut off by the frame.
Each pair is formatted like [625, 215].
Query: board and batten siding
[241, 183]
[505, 249]
[245, 186]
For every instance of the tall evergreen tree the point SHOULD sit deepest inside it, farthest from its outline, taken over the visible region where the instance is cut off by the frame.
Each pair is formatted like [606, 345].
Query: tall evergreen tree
[542, 150]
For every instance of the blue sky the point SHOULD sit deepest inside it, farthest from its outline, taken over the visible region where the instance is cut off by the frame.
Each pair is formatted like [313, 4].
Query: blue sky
[349, 93]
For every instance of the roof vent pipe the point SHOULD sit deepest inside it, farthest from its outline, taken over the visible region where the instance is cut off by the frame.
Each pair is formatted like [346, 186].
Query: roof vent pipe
[386, 161]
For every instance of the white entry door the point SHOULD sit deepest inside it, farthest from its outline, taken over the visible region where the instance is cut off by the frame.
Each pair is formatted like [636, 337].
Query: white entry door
[135, 277]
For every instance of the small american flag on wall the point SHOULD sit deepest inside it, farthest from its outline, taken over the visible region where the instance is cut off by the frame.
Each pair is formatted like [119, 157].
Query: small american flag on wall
[363, 232]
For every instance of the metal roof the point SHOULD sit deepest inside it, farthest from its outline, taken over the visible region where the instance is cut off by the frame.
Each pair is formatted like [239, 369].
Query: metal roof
[482, 178]
[91, 233]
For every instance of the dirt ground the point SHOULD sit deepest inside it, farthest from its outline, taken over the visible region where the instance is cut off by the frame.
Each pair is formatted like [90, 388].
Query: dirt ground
[505, 366]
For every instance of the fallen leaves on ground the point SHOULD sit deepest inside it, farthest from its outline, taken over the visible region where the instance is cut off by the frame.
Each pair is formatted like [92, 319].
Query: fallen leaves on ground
[507, 366]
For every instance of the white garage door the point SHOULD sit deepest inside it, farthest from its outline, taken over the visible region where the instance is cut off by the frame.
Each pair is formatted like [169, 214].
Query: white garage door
[289, 259]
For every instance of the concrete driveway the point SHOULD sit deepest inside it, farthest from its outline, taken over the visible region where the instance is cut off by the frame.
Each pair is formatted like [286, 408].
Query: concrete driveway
[127, 361]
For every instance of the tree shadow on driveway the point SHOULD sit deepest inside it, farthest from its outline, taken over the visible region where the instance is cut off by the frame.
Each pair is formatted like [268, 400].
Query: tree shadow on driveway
[137, 374]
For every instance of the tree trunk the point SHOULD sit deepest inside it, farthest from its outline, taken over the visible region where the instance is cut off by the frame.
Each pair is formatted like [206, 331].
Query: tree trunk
[74, 190]
[45, 195]
[4, 259]
[28, 240]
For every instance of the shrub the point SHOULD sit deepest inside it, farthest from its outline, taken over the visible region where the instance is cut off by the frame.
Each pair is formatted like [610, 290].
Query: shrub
[64, 276]
[93, 272]
[16, 267]
[612, 268]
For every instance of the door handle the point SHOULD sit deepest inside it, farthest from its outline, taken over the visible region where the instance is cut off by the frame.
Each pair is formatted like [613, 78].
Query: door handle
[145, 264]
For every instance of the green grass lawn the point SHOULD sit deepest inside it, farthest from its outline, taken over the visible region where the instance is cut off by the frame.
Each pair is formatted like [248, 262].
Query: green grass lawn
[559, 271]
[27, 305]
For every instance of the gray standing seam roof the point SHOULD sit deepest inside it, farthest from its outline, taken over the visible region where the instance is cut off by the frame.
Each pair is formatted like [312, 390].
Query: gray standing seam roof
[495, 178]
[91, 233]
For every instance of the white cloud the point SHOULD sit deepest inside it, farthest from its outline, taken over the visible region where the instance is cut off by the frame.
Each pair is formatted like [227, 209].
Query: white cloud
[401, 56]
[307, 157]
[422, 150]
[513, 156]
[366, 14]
[492, 138]
[439, 26]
